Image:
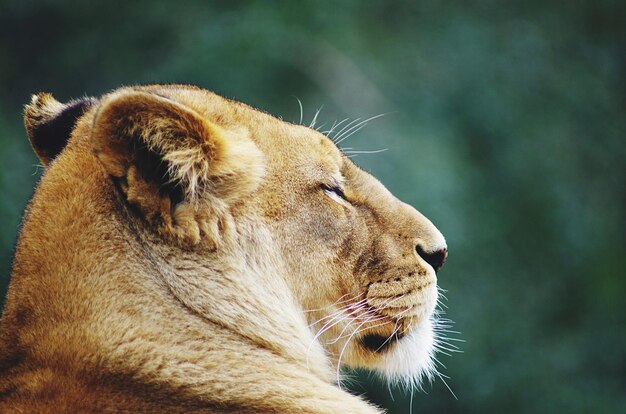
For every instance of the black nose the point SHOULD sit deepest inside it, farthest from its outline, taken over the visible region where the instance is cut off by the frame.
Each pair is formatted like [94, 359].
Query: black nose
[435, 259]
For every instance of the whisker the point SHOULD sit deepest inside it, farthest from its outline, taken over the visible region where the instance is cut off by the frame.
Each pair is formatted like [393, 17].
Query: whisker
[357, 304]
[355, 128]
[337, 302]
[301, 111]
[348, 125]
[454, 339]
[332, 315]
[446, 384]
[390, 301]
[348, 134]
[442, 345]
[351, 152]
[330, 324]
[320, 332]
[328, 131]
[312, 124]
[439, 346]
[343, 350]
[447, 331]
[372, 319]
[444, 341]
[395, 331]
[335, 125]
[375, 319]
[340, 137]
[359, 330]
[442, 352]
[348, 311]
[341, 315]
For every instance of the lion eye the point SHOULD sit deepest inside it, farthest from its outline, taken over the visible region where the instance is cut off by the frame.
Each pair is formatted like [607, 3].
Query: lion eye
[334, 192]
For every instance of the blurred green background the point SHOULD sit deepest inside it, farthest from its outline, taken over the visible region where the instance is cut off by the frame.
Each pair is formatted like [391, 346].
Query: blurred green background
[506, 126]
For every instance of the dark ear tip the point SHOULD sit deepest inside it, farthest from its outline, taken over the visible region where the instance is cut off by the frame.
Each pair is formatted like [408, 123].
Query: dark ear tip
[41, 109]
[49, 123]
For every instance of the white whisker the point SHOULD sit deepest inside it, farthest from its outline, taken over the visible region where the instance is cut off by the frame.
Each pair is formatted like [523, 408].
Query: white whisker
[453, 339]
[355, 128]
[440, 347]
[446, 384]
[332, 315]
[340, 300]
[441, 327]
[373, 318]
[343, 350]
[352, 305]
[314, 120]
[341, 131]
[354, 152]
[395, 331]
[356, 332]
[301, 111]
[334, 126]
[328, 325]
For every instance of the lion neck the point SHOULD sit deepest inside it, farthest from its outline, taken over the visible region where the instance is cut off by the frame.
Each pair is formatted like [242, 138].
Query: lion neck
[243, 288]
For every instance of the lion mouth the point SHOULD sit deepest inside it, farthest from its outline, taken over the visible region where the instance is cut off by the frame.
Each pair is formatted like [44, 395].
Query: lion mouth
[379, 343]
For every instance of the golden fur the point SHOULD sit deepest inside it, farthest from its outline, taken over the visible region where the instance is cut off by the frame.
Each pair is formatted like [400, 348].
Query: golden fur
[187, 253]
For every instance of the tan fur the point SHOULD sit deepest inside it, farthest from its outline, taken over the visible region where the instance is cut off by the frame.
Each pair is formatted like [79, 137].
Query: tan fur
[194, 291]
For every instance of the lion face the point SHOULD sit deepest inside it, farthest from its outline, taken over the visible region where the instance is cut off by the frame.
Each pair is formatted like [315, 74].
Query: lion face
[219, 179]
[362, 263]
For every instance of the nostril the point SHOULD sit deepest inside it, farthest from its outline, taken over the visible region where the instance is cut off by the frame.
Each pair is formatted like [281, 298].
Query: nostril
[435, 259]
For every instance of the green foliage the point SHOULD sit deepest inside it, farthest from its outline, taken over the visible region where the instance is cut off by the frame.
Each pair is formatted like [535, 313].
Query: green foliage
[505, 126]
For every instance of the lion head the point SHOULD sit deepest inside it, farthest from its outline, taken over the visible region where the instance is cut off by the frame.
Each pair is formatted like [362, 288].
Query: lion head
[264, 227]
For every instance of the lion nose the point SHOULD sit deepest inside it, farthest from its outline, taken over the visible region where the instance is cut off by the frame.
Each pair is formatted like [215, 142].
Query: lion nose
[436, 259]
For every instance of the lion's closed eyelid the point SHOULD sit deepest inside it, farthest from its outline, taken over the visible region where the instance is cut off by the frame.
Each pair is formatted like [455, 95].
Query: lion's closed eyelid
[335, 192]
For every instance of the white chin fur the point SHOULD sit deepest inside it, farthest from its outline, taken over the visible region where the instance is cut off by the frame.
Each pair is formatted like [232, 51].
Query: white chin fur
[412, 358]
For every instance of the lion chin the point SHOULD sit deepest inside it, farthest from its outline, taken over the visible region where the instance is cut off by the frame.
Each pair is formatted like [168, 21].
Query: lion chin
[186, 253]
[411, 360]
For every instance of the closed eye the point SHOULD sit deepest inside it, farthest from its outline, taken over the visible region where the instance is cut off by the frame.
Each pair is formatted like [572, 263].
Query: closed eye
[334, 192]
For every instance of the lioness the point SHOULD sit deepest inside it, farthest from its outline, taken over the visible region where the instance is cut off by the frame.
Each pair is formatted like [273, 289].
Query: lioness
[187, 253]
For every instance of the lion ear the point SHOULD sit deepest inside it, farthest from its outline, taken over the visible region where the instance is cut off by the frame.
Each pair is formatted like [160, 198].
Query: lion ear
[179, 169]
[49, 123]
